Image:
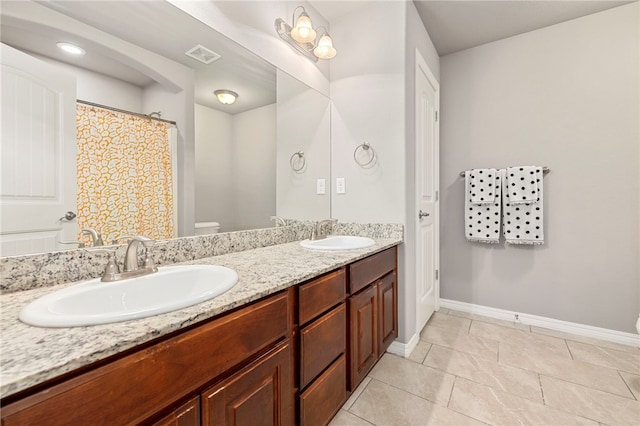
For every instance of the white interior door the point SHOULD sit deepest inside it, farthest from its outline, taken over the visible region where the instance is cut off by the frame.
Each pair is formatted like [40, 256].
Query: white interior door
[37, 155]
[427, 168]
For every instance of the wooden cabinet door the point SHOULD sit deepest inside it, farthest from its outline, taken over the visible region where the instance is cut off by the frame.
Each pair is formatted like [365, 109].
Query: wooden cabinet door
[387, 312]
[259, 394]
[187, 415]
[364, 345]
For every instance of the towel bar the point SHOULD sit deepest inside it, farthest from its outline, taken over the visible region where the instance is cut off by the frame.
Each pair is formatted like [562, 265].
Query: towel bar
[545, 170]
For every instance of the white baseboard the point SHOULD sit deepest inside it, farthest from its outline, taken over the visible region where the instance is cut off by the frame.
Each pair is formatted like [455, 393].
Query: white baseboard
[404, 349]
[621, 337]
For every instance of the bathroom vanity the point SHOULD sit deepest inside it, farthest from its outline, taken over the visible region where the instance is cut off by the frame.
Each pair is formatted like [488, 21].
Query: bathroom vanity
[277, 350]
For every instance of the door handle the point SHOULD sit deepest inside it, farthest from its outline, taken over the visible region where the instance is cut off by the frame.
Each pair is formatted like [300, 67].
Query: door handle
[68, 216]
[422, 214]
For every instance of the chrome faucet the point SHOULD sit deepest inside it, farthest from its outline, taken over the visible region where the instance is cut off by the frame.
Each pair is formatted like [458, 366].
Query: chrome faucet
[96, 238]
[279, 221]
[131, 266]
[131, 256]
[316, 233]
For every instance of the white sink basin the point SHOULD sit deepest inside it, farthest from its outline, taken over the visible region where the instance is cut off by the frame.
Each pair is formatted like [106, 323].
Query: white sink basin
[94, 302]
[338, 242]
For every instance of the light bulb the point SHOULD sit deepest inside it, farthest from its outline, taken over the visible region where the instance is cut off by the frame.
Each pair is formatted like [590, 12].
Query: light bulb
[325, 49]
[303, 31]
[71, 48]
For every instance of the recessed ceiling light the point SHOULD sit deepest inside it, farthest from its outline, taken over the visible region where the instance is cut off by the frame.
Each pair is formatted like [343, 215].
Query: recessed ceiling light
[71, 48]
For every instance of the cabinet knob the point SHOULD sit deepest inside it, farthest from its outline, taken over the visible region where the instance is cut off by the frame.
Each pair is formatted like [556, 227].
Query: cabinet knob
[422, 214]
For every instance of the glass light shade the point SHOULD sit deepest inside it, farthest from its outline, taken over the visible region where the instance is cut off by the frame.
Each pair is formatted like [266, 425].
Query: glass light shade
[325, 49]
[226, 97]
[70, 48]
[303, 31]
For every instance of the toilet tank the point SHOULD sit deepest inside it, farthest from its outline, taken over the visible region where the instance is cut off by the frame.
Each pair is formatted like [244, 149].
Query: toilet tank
[205, 228]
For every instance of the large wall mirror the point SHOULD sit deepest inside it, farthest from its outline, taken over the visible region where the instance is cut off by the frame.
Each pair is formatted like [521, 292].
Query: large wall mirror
[231, 162]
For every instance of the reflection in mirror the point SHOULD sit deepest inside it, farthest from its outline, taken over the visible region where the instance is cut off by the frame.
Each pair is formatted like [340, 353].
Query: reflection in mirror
[235, 166]
[136, 62]
[304, 145]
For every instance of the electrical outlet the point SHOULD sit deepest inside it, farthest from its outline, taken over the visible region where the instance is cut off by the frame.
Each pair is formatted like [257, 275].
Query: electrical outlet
[341, 186]
[321, 187]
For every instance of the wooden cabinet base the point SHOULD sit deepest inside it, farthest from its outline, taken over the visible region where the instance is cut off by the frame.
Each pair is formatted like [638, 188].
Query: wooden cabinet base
[310, 343]
[138, 386]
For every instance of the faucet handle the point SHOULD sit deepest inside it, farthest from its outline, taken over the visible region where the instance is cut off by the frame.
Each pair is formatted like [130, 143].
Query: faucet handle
[147, 244]
[116, 240]
[111, 268]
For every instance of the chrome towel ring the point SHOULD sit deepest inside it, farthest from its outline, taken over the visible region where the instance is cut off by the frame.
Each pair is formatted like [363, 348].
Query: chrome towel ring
[365, 147]
[297, 161]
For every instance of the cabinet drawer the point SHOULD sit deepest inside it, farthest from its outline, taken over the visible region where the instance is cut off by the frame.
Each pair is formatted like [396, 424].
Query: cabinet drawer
[365, 271]
[135, 387]
[325, 396]
[321, 294]
[321, 342]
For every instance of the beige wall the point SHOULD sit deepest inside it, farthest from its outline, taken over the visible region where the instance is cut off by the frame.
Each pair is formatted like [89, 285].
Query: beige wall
[235, 167]
[303, 124]
[213, 167]
[367, 92]
[566, 97]
[254, 164]
[372, 91]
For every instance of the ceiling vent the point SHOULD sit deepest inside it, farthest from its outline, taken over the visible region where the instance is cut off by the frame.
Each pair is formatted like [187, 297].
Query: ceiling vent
[202, 54]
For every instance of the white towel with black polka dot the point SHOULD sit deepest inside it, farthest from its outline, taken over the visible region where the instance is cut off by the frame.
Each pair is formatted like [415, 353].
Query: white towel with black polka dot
[522, 223]
[482, 221]
[483, 185]
[522, 182]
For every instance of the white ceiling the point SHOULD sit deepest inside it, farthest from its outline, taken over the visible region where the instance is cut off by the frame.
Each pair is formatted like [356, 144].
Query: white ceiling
[455, 25]
[452, 25]
[144, 23]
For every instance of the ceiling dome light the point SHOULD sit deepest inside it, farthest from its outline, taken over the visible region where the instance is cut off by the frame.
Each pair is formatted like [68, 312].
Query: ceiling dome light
[71, 48]
[226, 97]
[325, 49]
[303, 31]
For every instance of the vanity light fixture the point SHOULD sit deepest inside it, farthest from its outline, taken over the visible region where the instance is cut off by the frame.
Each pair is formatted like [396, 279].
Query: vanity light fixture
[303, 32]
[70, 48]
[301, 37]
[226, 97]
[324, 49]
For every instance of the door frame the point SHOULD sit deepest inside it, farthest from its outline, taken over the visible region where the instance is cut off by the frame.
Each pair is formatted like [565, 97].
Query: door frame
[422, 66]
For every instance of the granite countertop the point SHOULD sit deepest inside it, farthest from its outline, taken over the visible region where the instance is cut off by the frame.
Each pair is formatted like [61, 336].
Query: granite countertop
[32, 355]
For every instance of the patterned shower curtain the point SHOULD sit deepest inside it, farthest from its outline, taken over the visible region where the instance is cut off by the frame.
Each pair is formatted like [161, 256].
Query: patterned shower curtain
[124, 175]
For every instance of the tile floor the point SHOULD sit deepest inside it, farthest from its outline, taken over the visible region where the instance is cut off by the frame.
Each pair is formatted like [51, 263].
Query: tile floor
[474, 370]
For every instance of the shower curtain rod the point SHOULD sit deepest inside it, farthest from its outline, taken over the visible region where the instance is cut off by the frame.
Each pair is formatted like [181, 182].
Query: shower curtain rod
[137, 114]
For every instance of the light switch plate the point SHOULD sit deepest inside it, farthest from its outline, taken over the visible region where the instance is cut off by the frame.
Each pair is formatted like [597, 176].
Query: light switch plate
[321, 187]
[340, 186]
